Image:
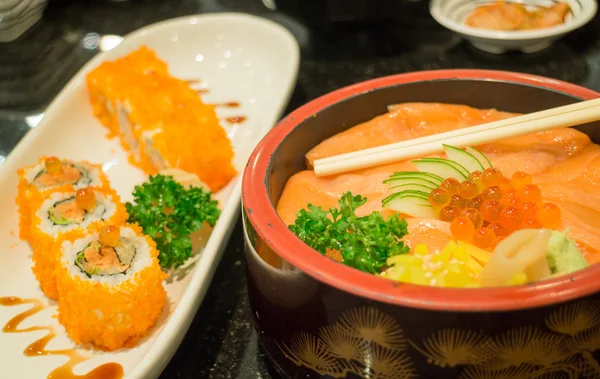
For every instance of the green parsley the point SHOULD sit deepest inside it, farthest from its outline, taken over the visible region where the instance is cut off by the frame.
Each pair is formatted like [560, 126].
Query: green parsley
[364, 242]
[168, 213]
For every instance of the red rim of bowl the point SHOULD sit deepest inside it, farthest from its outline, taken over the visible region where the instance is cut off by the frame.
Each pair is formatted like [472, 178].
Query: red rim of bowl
[281, 240]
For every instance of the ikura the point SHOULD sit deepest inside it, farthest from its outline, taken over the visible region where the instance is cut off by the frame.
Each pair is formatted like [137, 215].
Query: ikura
[492, 193]
[475, 177]
[449, 213]
[530, 193]
[484, 238]
[450, 185]
[439, 197]
[458, 201]
[490, 210]
[475, 202]
[53, 165]
[85, 199]
[462, 228]
[109, 236]
[529, 210]
[520, 179]
[531, 223]
[492, 177]
[474, 215]
[549, 216]
[468, 189]
[497, 228]
[511, 218]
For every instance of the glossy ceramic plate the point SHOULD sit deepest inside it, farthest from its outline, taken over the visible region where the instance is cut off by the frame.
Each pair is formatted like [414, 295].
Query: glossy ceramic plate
[228, 54]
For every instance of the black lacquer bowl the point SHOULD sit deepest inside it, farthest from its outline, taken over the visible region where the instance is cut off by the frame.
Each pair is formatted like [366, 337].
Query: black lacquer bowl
[317, 318]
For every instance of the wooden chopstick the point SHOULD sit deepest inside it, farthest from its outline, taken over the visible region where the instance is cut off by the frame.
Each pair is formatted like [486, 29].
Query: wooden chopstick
[564, 116]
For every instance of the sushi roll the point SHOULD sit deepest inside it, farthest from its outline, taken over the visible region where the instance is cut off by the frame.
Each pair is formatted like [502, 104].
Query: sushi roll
[62, 215]
[51, 174]
[161, 122]
[110, 287]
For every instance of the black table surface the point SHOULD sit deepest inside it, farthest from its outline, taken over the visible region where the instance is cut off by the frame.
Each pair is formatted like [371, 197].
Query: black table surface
[221, 342]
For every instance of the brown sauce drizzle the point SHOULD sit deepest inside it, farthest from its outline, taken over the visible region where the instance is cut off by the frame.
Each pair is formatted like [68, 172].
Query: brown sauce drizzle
[193, 81]
[38, 348]
[229, 104]
[235, 119]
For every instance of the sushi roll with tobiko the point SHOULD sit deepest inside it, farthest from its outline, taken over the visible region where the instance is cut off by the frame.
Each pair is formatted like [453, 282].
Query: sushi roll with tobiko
[50, 174]
[61, 216]
[110, 287]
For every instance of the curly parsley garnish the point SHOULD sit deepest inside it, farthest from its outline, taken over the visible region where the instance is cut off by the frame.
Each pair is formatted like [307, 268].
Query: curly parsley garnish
[168, 213]
[365, 242]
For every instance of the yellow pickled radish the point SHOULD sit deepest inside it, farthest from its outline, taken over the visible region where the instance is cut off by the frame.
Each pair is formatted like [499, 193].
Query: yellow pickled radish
[85, 199]
[53, 165]
[109, 236]
[446, 268]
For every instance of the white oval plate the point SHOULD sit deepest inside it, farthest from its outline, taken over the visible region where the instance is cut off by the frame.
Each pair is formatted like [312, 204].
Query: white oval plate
[230, 54]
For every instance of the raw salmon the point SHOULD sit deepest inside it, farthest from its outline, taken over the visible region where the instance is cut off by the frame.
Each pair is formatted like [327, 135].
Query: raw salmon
[563, 162]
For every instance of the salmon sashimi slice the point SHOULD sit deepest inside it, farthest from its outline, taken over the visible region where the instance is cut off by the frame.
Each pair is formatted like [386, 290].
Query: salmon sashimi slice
[508, 16]
[563, 162]
[405, 121]
[435, 233]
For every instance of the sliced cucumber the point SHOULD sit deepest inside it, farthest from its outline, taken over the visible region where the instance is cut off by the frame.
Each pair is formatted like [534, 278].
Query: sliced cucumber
[458, 166]
[413, 187]
[463, 158]
[412, 203]
[413, 180]
[441, 167]
[480, 157]
[425, 175]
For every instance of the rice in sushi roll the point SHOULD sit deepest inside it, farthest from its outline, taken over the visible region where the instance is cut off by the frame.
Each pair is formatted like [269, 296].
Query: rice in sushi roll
[61, 216]
[110, 287]
[51, 174]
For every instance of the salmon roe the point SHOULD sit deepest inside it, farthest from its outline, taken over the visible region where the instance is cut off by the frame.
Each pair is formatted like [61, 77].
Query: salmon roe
[475, 177]
[530, 193]
[450, 185]
[488, 206]
[491, 177]
[529, 210]
[109, 236]
[474, 215]
[484, 238]
[458, 201]
[468, 189]
[53, 165]
[439, 197]
[449, 213]
[490, 210]
[462, 228]
[506, 185]
[520, 179]
[510, 199]
[531, 223]
[492, 193]
[497, 228]
[85, 199]
[549, 215]
[511, 218]
[475, 202]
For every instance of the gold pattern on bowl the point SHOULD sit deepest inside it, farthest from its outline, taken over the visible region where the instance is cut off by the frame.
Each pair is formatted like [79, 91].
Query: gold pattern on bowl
[369, 343]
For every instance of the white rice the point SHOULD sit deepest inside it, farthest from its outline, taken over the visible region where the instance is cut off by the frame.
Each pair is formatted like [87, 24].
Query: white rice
[141, 260]
[104, 212]
[93, 174]
[126, 127]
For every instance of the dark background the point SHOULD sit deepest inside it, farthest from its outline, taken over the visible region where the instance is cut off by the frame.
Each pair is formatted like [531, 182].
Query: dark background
[342, 42]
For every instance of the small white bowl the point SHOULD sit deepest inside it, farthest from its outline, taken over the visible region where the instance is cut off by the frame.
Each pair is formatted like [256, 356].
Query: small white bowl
[452, 14]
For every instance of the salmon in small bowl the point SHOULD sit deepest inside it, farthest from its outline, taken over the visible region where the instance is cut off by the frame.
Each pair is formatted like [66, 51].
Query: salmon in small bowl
[475, 262]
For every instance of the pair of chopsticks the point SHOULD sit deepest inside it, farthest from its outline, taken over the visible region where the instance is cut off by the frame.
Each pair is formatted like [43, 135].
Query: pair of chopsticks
[560, 117]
